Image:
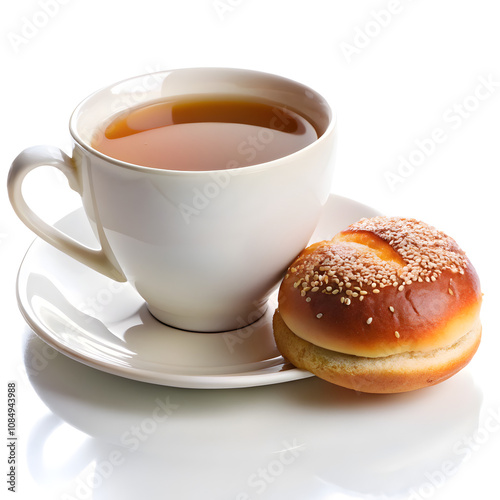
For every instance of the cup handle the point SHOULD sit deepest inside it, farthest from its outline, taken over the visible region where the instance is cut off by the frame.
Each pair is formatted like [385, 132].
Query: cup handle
[38, 156]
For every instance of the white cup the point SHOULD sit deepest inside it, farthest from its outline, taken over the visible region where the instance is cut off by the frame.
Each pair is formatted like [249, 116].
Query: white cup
[204, 249]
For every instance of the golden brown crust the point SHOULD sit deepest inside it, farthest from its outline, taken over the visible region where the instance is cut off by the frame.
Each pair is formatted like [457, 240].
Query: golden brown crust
[383, 286]
[390, 374]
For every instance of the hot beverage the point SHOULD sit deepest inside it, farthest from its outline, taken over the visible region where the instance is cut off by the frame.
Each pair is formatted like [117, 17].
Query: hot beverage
[204, 133]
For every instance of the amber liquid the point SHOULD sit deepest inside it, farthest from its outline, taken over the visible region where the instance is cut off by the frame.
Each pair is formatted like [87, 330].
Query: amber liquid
[204, 133]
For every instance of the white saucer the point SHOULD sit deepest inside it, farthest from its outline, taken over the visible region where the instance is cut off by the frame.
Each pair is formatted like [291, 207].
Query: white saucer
[107, 326]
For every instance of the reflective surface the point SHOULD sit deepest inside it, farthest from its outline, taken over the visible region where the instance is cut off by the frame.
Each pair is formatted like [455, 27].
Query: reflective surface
[296, 439]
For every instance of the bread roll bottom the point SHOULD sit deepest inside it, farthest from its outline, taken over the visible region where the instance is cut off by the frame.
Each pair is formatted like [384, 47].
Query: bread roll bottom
[401, 372]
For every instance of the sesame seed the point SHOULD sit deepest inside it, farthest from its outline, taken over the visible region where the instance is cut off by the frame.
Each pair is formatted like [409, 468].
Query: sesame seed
[342, 300]
[369, 321]
[396, 333]
[391, 309]
[424, 255]
[361, 297]
[329, 288]
[319, 315]
[315, 289]
[420, 245]
[363, 292]
[308, 299]
[347, 302]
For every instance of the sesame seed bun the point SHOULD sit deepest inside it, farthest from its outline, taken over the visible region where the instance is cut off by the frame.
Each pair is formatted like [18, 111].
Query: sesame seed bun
[388, 305]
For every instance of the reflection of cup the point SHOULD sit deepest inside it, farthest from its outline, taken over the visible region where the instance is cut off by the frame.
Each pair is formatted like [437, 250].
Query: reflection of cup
[207, 271]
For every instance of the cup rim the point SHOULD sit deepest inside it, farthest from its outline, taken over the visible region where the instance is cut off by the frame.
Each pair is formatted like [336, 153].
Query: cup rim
[160, 171]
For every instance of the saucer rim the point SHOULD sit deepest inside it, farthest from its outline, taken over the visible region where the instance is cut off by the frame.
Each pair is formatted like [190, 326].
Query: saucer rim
[194, 381]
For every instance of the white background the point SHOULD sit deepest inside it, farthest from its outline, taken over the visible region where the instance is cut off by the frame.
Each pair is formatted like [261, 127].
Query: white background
[399, 74]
